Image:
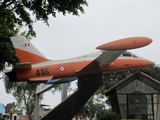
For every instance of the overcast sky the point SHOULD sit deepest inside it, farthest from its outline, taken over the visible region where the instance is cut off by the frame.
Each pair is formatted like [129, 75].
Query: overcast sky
[103, 21]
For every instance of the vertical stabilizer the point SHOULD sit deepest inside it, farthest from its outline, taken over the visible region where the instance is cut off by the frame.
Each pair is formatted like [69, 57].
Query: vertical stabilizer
[25, 51]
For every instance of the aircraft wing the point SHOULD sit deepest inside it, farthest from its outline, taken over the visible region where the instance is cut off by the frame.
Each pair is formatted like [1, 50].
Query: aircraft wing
[106, 58]
[112, 51]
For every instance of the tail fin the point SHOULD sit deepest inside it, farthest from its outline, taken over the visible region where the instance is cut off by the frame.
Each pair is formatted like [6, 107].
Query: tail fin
[25, 51]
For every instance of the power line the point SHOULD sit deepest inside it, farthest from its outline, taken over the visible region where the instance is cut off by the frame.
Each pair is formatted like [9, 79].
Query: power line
[4, 101]
[7, 96]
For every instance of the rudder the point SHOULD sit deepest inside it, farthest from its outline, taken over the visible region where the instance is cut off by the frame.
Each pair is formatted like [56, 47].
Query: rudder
[26, 52]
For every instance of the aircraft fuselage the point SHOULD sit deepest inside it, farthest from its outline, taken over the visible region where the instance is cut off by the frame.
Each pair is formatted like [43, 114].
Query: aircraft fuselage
[71, 68]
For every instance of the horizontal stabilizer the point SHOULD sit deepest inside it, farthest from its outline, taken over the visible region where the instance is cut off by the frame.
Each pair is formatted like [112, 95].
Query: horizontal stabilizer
[24, 65]
[36, 79]
[126, 43]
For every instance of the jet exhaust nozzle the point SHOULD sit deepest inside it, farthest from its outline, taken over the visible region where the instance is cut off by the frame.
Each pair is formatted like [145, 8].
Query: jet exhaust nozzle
[12, 76]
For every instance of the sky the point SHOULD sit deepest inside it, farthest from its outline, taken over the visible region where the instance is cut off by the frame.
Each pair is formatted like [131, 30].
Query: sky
[104, 20]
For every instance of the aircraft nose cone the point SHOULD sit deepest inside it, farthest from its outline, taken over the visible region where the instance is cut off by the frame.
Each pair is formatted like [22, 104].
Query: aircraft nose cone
[147, 63]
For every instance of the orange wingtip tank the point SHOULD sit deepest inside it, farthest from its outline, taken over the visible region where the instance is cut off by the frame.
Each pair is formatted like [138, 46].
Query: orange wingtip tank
[126, 43]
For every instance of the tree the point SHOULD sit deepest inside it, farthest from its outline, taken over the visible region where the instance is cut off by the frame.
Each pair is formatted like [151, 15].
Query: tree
[24, 94]
[7, 29]
[153, 71]
[110, 79]
[108, 115]
[15, 13]
[96, 109]
[94, 106]
[11, 106]
[18, 10]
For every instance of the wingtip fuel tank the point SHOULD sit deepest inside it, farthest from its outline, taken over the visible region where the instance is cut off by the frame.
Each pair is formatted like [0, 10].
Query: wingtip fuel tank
[126, 43]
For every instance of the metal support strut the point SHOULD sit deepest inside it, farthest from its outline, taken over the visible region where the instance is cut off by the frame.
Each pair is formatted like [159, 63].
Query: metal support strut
[87, 86]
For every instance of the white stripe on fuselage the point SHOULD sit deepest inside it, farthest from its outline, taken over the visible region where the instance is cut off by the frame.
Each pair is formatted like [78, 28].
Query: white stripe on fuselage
[87, 57]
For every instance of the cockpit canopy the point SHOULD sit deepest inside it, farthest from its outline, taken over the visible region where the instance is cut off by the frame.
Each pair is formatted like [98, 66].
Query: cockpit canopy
[129, 54]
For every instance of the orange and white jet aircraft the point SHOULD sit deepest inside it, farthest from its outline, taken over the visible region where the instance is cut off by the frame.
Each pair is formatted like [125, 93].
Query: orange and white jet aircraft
[34, 67]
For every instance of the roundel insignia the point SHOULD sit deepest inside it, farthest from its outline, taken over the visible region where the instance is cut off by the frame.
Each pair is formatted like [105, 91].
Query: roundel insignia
[61, 68]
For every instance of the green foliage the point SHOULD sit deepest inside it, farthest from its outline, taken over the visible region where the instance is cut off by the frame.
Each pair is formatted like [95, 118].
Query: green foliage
[18, 10]
[15, 13]
[7, 53]
[108, 115]
[153, 71]
[95, 109]
[9, 86]
[24, 93]
[110, 79]
[7, 29]
[9, 107]
[94, 105]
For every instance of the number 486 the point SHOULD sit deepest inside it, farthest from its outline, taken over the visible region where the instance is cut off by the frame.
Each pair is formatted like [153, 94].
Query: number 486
[43, 71]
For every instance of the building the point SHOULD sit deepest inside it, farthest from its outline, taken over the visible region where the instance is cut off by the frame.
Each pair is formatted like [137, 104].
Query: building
[2, 109]
[43, 110]
[137, 96]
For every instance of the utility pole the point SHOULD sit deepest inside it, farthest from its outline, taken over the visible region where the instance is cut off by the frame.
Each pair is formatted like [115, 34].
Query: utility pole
[64, 91]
